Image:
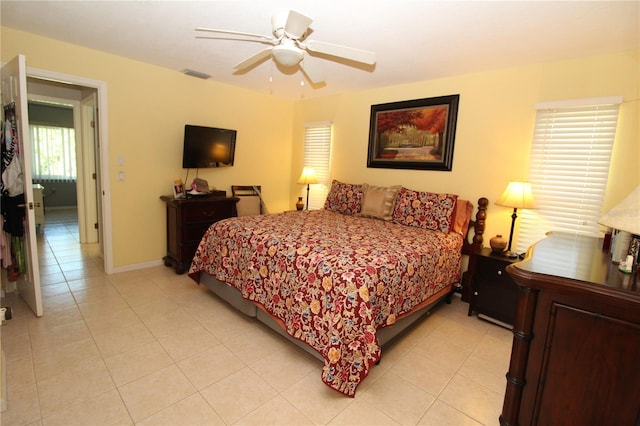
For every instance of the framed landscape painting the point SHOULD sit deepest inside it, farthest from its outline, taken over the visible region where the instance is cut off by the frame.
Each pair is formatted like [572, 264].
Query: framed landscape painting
[416, 134]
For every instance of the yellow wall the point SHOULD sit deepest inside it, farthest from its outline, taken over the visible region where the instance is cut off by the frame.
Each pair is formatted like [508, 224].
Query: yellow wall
[494, 128]
[148, 107]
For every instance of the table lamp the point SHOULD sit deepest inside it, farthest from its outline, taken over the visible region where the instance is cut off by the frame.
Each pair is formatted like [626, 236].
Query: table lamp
[625, 216]
[308, 177]
[519, 196]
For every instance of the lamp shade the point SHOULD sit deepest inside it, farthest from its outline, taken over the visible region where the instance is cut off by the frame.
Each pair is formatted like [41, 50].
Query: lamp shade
[308, 176]
[517, 195]
[626, 215]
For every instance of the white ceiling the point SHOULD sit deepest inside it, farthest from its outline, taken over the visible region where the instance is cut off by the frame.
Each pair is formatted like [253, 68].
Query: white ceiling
[414, 40]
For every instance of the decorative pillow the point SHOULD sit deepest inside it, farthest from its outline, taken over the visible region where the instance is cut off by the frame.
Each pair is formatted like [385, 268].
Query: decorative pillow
[345, 198]
[379, 201]
[424, 209]
[461, 217]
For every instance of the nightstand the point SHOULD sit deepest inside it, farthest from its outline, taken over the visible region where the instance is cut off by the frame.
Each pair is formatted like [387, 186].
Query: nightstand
[494, 294]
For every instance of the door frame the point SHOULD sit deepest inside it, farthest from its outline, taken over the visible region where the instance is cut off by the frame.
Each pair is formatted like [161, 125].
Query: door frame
[102, 154]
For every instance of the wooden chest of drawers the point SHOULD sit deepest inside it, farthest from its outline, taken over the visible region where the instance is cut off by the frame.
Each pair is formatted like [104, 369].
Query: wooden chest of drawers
[187, 221]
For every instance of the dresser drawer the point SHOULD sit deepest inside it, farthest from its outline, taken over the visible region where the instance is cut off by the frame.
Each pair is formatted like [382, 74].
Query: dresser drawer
[208, 213]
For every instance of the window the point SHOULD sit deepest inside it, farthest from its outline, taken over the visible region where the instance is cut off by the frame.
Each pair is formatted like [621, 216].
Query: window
[54, 152]
[317, 154]
[569, 167]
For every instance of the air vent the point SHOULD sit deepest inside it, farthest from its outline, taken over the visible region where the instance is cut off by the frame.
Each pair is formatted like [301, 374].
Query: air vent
[198, 74]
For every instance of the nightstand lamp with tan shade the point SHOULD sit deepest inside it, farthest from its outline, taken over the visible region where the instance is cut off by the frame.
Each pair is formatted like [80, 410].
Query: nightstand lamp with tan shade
[518, 195]
[308, 177]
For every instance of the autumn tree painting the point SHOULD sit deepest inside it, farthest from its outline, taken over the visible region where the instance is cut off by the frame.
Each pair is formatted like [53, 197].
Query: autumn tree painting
[412, 133]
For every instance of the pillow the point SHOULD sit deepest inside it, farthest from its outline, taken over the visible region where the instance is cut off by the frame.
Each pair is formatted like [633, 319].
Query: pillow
[424, 210]
[379, 201]
[461, 217]
[345, 198]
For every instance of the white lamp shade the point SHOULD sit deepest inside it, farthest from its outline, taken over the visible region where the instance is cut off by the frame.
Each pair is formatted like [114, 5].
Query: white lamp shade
[626, 215]
[308, 176]
[517, 195]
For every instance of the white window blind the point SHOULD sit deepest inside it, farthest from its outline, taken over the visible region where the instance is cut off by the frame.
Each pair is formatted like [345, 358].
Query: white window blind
[569, 167]
[54, 152]
[317, 154]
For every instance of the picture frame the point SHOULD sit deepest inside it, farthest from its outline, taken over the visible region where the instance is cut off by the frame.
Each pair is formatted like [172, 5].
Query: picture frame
[178, 189]
[416, 134]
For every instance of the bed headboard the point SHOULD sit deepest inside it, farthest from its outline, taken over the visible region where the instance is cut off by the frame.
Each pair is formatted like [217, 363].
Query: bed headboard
[478, 228]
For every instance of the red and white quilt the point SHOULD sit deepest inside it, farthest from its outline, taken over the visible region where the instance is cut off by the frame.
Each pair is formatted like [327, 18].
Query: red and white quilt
[331, 279]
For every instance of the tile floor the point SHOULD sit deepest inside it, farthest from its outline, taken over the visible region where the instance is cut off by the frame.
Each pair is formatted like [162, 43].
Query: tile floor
[150, 347]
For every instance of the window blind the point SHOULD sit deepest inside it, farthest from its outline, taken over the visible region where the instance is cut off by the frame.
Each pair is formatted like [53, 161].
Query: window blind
[317, 154]
[569, 167]
[54, 153]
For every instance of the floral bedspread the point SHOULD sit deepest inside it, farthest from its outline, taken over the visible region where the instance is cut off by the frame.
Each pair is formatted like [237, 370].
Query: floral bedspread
[332, 279]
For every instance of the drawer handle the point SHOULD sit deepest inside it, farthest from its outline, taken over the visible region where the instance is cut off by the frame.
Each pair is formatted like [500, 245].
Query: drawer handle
[209, 214]
[475, 293]
[499, 272]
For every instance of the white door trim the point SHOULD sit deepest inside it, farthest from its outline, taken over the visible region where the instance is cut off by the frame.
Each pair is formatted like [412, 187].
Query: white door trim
[103, 135]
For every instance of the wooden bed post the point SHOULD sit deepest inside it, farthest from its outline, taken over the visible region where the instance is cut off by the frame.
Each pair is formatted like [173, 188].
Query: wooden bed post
[478, 228]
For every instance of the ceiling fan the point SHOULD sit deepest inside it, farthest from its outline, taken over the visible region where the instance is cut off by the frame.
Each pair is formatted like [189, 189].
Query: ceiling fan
[290, 48]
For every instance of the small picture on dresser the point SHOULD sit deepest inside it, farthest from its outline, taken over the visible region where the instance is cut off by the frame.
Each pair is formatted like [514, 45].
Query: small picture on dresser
[178, 188]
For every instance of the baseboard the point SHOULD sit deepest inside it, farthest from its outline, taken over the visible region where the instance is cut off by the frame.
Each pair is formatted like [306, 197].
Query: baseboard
[495, 321]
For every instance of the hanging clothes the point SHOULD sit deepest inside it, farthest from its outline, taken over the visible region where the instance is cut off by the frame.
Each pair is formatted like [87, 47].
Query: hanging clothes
[12, 190]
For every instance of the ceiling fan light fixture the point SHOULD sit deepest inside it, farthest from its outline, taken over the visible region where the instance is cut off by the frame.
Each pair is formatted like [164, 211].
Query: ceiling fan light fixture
[287, 56]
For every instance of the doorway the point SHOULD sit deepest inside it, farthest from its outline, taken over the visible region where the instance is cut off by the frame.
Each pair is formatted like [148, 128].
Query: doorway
[88, 98]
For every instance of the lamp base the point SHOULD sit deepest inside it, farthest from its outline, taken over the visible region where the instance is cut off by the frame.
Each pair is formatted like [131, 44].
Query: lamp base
[511, 254]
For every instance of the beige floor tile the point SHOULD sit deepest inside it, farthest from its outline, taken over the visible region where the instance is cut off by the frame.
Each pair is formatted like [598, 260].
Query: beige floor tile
[105, 409]
[117, 340]
[119, 319]
[362, 413]
[59, 335]
[210, 365]
[489, 373]
[474, 400]
[275, 412]
[237, 395]
[315, 399]
[22, 406]
[398, 399]
[192, 411]
[136, 363]
[153, 393]
[73, 385]
[47, 323]
[187, 342]
[444, 353]
[441, 414]
[58, 302]
[16, 347]
[226, 326]
[285, 367]
[255, 344]
[20, 372]
[424, 373]
[59, 358]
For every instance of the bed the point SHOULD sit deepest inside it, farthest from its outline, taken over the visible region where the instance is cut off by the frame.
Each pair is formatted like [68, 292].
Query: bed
[345, 280]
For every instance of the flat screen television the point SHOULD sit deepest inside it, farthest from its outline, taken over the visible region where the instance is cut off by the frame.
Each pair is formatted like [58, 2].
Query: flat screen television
[208, 147]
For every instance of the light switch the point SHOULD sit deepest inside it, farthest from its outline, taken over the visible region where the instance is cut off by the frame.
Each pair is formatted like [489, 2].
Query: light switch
[121, 176]
[120, 161]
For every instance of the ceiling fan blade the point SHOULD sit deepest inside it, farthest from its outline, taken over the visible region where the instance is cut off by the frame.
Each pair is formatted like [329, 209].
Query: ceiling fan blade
[358, 55]
[314, 73]
[297, 24]
[238, 33]
[254, 59]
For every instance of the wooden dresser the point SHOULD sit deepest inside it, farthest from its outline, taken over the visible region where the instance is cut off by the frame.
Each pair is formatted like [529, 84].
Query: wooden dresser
[576, 347]
[187, 221]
